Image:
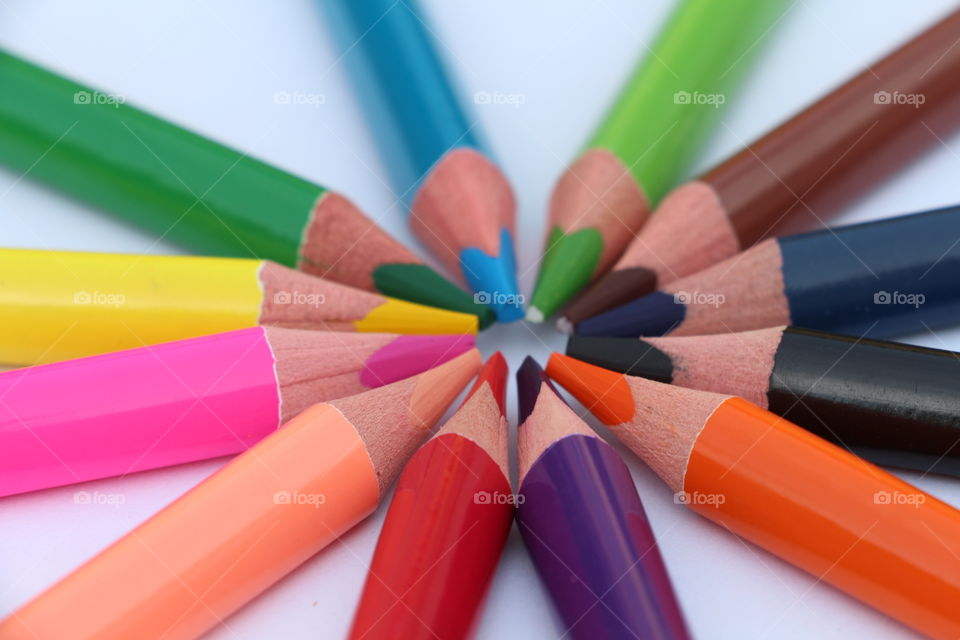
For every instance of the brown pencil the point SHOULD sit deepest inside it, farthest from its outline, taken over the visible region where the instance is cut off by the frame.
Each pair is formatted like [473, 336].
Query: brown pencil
[814, 162]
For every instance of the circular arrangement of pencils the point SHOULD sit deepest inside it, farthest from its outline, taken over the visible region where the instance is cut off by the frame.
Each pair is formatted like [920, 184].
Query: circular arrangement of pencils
[722, 335]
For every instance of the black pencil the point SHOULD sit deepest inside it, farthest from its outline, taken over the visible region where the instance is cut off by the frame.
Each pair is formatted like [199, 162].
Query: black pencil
[893, 404]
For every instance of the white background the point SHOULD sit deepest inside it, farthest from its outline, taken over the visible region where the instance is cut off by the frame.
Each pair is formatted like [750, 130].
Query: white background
[215, 67]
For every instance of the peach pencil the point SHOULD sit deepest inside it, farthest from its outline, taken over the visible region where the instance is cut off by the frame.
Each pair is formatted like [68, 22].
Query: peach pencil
[190, 566]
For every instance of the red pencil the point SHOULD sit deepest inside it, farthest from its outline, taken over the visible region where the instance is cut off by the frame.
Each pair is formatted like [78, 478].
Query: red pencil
[446, 527]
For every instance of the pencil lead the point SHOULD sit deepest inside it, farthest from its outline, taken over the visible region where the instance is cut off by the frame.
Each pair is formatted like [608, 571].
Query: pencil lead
[534, 315]
[626, 355]
[343, 245]
[407, 355]
[531, 379]
[652, 315]
[604, 393]
[494, 375]
[393, 420]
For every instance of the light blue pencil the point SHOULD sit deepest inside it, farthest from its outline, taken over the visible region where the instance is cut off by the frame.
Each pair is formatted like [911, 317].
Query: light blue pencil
[461, 206]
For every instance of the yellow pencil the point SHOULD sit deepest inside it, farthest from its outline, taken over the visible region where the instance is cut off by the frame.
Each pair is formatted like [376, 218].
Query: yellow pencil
[57, 305]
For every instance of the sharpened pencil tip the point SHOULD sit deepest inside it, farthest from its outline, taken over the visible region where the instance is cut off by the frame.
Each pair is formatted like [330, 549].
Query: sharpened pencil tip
[565, 327]
[656, 314]
[534, 315]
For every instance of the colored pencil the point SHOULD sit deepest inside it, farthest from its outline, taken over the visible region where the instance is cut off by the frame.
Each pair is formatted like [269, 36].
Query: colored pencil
[880, 279]
[446, 527]
[460, 205]
[651, 133]
[196, 192]
[64, 304]
[813, 504]
[809, 166]
[893, 404]
[188, 400]
[207, 554]
[582, 520]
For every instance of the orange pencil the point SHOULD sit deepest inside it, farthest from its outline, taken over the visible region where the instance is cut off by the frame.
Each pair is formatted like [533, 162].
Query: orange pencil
[815, 505]
[208, 553]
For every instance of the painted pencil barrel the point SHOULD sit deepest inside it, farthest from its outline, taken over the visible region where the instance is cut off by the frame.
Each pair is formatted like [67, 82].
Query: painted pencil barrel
[405, 88]
[439, 546]
[170, 181]
[881, 278]
[876, 279]
[607, 582]
[193, 564]
[841, 519]
[66, 304]
[675, 95]
[461, 207]
[893, 404]
[133, 410]
[864, 130]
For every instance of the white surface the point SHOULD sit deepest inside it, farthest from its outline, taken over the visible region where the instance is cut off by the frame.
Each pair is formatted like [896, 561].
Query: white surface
[215, 66]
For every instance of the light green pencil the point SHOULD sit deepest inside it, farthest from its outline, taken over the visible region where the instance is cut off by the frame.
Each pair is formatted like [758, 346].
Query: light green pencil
[648, 137]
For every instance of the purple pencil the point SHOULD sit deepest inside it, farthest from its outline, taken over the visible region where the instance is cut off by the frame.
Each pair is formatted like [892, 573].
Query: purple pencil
[582, 521]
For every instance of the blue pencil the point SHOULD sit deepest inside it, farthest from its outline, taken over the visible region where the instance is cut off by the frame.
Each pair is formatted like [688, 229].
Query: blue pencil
[461, 206]
[877, 279]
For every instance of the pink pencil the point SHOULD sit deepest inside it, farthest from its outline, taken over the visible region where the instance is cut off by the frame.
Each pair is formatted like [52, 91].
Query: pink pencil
[187, 400]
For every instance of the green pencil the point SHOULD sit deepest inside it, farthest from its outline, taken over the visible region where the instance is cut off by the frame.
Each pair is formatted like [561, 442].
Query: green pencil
[648, 137]
[194, 191]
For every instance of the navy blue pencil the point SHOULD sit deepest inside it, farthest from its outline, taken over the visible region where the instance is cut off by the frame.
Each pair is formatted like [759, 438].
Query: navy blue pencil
[878, 279]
